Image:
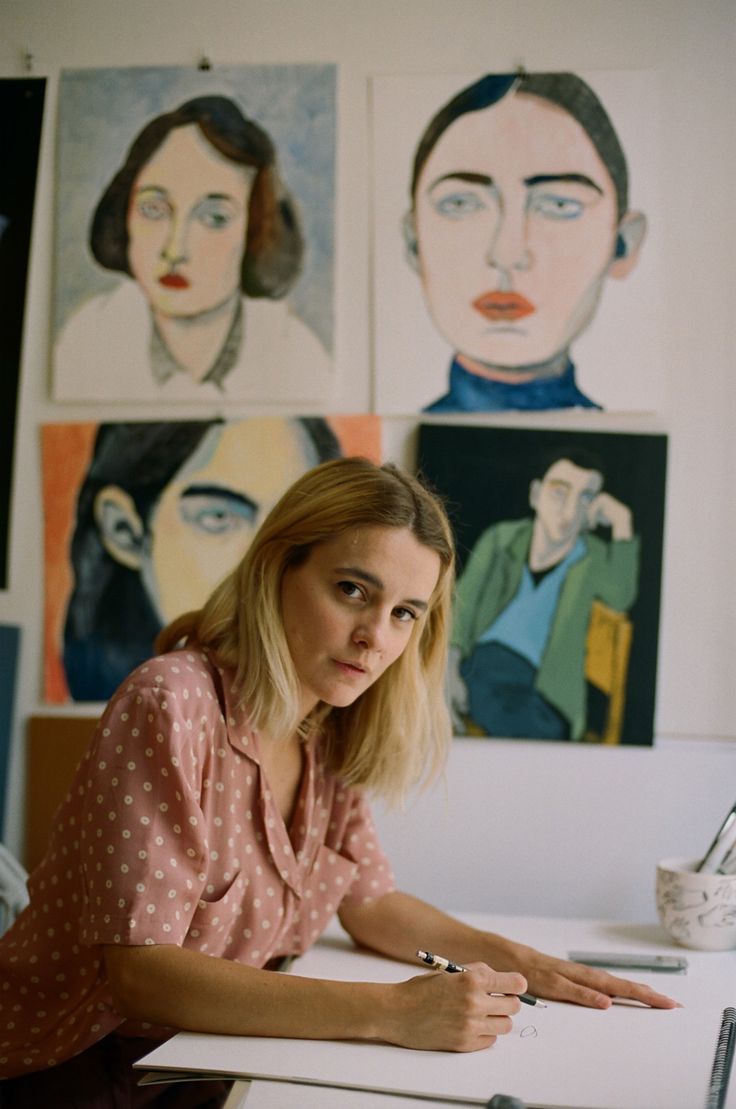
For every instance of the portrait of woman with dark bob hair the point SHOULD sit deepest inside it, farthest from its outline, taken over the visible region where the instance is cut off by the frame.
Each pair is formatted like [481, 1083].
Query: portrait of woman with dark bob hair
[164, 511]
[209, 241]
[518, 218]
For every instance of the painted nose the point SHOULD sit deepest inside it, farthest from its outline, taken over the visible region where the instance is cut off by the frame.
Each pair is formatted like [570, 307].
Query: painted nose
[174, 250]
[508, 251]
[568, 512]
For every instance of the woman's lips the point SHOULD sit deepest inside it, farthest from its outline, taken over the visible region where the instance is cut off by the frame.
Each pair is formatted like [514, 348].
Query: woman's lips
[503, 306]
[349, 667]
[173, 281]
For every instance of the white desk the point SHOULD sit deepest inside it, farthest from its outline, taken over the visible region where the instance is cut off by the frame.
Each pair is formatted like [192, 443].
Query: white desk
[627, 1057]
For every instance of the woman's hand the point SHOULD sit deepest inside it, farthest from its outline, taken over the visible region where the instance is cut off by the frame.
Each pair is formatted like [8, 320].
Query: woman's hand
[454, 1012]
[561, 980]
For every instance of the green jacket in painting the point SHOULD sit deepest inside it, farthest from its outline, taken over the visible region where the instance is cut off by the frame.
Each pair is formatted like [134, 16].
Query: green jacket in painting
[609, 571]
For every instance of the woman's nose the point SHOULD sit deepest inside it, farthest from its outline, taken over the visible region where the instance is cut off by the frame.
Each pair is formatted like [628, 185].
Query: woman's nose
[174, 249]
[369, 633]
[508, 250]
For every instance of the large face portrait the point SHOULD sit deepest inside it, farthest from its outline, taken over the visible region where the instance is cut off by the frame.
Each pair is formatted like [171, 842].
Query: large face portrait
[517, 257]
[516, 229]
[187, 223]
[143, 520]
[205, 519]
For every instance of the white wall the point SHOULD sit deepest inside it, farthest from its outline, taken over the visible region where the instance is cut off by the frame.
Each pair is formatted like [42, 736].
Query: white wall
[548, 828]
[525, 827]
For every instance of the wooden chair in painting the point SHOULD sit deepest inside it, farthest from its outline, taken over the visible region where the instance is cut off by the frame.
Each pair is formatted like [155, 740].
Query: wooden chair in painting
[606, 668]
[607, 651]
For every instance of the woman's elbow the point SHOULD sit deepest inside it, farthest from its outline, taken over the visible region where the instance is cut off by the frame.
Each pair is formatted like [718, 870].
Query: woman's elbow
[130, 984]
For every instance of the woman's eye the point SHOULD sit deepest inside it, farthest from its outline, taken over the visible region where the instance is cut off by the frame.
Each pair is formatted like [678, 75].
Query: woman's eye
[214, 214]
[215, 516]
[405, 615]
[350, 589]
[153, 208]
[458, 204]
[556, 207]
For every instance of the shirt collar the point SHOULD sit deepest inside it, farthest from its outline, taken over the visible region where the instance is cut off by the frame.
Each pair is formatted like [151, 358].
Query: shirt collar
[164, 366]
[470, 392]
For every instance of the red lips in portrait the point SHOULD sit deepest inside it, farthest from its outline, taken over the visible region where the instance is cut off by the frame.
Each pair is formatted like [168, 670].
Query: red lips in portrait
[503, 306]
[173, 281]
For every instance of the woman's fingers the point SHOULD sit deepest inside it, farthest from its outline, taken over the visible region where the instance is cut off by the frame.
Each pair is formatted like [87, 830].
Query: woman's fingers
[565, 981]
[458, 1012]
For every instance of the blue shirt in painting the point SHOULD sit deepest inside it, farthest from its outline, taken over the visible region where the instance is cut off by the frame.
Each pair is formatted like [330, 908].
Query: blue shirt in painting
[469, 392]
[525, 623]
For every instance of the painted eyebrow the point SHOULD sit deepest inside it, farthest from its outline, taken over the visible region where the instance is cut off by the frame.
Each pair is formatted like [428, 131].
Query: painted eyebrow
[218, 196]
[371, 579]
[565, 178]
[535, 179]
[462, 175]
[165, 192]
[223, 494]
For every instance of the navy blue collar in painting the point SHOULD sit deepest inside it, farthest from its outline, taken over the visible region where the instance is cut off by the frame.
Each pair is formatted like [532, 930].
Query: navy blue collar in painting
[470, 393]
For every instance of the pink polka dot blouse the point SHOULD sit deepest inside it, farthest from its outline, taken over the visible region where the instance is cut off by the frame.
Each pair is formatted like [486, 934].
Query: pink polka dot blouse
[169, 834]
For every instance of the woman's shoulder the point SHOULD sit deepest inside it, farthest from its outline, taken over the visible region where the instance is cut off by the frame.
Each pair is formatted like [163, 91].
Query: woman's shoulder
[278, 345]
[101, 351]
[188, 675]
[115, 308]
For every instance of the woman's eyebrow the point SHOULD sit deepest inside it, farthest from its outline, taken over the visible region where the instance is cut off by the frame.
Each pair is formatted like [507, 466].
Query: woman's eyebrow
[565, 178]
[536, 179]
[463, 175]
[372, 579]
[240, 499]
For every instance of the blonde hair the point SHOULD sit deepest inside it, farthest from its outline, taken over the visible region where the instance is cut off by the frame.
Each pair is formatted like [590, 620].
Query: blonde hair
[397, 732]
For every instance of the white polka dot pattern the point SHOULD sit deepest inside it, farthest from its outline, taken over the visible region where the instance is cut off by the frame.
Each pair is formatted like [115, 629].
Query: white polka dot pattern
[169, 835]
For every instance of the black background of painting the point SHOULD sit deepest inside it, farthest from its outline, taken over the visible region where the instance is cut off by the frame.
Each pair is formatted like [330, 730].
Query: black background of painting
[21, 115]
[9, 644]
[484, 474]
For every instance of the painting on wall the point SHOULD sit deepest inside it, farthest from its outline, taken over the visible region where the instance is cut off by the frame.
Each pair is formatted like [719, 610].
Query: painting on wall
[9, 648]
[21, 117]
[517, 242]
[142, 520]
[194, 249]
[556, 614]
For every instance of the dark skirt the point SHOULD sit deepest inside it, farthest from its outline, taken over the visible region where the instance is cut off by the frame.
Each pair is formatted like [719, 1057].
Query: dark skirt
[102, 1077]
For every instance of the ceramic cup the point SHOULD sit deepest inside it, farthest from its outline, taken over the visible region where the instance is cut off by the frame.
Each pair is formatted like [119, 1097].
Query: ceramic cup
[697, 910]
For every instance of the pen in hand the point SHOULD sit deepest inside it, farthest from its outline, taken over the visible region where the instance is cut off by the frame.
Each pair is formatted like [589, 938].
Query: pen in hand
[440, 963]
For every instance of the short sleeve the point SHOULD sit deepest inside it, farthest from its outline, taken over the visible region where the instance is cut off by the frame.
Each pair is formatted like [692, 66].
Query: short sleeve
[143, 835]
[374, 876]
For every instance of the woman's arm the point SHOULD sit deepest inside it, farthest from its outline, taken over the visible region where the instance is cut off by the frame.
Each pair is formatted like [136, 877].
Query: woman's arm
[185, 989]
[398, 924]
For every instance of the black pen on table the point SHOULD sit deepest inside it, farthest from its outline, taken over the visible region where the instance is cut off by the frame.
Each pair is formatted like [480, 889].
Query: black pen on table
[440, 963]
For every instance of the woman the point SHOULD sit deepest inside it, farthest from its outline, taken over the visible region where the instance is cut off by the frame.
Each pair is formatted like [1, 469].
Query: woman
[519, 214]
[198, 216]
[164, 511]
[219, 819]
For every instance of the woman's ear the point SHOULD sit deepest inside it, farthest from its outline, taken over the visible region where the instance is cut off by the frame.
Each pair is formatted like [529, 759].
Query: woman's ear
[120, 527]
[629, 238]
[411, 243]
